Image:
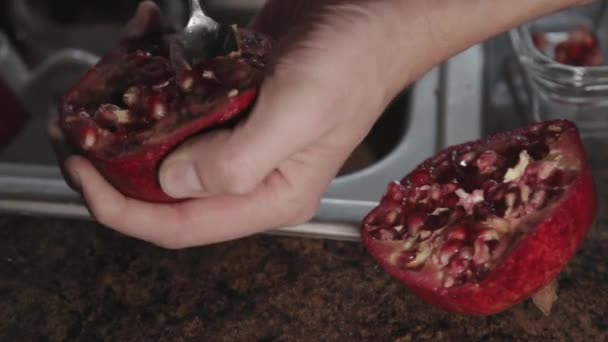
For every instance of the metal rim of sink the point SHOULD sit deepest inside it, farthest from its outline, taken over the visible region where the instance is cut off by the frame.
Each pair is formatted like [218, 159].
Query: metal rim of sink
[444, 97]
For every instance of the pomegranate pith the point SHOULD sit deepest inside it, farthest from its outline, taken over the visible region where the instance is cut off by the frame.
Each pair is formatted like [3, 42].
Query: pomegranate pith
[145, 97]
[492, 222]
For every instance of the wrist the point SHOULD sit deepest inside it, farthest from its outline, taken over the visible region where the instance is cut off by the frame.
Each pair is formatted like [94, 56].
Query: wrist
[435, 30]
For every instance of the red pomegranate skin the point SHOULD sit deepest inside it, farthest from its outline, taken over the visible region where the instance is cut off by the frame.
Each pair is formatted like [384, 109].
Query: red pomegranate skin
[533, 262]
[130, 160]
[14, 115]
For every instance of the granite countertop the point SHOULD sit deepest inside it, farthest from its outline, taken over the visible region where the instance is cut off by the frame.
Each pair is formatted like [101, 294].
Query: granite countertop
[69, 280]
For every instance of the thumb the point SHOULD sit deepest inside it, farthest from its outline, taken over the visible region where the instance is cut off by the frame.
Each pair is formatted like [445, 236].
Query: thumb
[235, 161]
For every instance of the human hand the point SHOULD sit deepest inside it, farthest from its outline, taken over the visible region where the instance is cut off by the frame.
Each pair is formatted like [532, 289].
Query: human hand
[337, 66]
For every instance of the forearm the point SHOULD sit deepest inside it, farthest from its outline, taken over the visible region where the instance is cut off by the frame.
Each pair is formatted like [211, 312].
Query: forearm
[434, 30]
[385, 44]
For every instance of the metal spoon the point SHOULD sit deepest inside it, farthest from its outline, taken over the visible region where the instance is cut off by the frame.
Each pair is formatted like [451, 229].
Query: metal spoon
[204, 37]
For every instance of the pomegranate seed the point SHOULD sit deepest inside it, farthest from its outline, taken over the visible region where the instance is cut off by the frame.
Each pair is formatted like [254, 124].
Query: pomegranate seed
[105, 114]
[414, 224]
[457, 267]
[159, 110]
[510, 199]
[386, 234]
[88, 137]
[499, 193]
[122, 116]
[445, 172]
[466, 158]
[83, 114]
[582, 37]
[539, 40]
[481, 255]
[490, 186]
[483, 210]
[436, 193]
[186, 81]
[131, 97]
[450, 200]
[208, 74]
[487, 162]
[448, 188]
[391, 216]
[457, 214]
[440, 158]
[420, 178]
[594, 58]
[465, 253]
[395, 192]
[372, 218]
[561, 53]
[448, 281]
[458, 233]
[420, 194]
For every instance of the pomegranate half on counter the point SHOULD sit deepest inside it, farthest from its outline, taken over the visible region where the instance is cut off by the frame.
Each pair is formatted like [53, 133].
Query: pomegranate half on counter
[485, 225]
[145, 97]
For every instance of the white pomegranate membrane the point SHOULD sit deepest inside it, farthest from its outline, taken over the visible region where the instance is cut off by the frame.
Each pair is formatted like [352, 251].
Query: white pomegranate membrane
[454, 218]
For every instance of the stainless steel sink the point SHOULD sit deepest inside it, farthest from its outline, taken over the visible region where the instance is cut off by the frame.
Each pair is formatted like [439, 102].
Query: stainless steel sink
[442, 108]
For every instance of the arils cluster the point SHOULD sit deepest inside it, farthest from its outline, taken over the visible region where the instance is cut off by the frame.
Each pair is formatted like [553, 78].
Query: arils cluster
[459, 214]
[484, 225]
[581, 48]
[142, 105]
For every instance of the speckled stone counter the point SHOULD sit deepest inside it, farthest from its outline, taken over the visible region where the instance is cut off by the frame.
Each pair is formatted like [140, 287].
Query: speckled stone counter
[76, 281]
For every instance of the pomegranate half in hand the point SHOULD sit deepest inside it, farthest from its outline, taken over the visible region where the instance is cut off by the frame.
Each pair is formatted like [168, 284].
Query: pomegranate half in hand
[145, 97]
[487, 224]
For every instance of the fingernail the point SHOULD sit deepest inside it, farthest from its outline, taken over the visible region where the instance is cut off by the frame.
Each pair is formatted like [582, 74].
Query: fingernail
[180, 180]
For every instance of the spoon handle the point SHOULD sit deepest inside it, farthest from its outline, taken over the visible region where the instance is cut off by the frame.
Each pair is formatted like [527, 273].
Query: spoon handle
[195, 8]
[199, 18]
